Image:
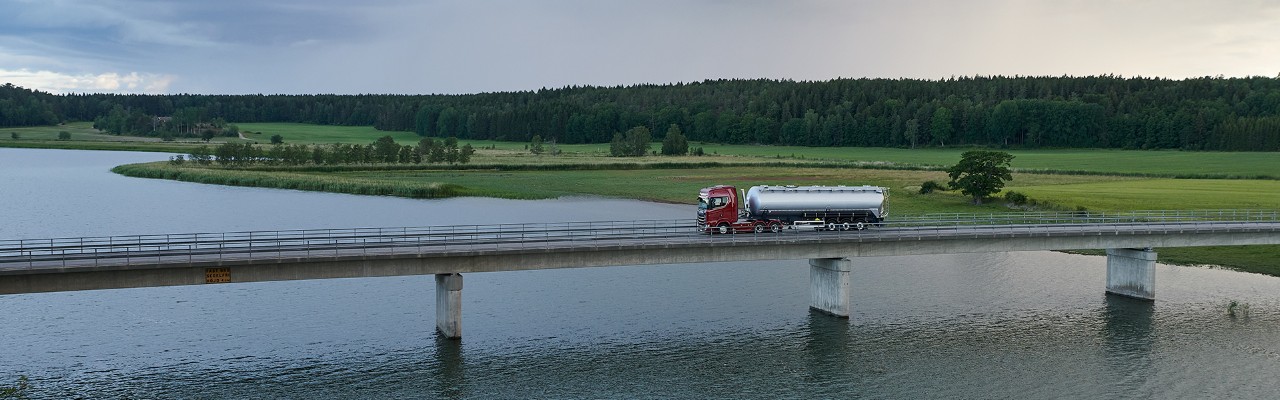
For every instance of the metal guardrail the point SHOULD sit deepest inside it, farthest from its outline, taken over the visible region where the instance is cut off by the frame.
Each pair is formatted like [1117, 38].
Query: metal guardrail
[190, 247]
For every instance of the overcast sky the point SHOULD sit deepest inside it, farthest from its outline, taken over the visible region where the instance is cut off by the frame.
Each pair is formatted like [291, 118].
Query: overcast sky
[469, 46]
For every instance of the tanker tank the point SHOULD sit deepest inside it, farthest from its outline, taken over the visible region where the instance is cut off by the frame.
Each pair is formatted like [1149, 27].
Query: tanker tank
[832, 203]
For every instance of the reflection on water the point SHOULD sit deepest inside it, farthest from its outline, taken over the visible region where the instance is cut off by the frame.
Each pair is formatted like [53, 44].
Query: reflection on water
[1129, 343]
[449, 367]
[1002, 325]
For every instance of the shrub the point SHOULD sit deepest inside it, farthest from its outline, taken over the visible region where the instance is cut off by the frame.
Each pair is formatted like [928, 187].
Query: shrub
[1015, 198]
[931, 186]
[64, 135]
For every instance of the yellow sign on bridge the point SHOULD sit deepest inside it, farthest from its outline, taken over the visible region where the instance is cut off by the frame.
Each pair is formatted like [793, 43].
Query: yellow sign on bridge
[217, 275]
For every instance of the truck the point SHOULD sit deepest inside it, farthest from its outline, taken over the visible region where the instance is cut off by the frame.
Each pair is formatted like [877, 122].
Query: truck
[725, 209]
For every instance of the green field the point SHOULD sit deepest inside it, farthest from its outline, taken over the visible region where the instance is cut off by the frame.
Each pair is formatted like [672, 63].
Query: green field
[80, 131]
[84, 137]
[1095, 161]
[1159, 194]
[1163, 163]
[1156, 163]
[261, 132]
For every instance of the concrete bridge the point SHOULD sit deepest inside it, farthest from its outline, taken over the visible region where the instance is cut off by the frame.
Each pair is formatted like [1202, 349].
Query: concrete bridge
[64, 264]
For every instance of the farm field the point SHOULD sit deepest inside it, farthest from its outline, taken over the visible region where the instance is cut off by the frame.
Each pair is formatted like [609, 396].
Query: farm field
[1158, 194]
[1170, 164]
[292, 133]
[1106, 161]
[85, 137]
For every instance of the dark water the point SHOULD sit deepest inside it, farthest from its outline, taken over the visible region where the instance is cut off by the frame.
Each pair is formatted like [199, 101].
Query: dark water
[999, 325]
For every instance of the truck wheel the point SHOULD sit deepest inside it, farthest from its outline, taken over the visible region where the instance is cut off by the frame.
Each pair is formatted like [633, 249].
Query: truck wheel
[775, 227]
[723, 228]
[758, 228]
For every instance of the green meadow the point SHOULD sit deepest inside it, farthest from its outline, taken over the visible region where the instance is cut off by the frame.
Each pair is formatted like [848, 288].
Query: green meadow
[319, 134]
[1165, 163]
[1158, 194]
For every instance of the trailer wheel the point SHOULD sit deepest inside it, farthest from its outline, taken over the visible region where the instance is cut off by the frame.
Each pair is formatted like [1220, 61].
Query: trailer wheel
[844, 226]
[758, 228]
[775, 227]
[723, 228]
[861, 225]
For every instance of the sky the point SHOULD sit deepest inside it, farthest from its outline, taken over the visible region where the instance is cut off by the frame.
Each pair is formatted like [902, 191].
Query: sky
[472, 46]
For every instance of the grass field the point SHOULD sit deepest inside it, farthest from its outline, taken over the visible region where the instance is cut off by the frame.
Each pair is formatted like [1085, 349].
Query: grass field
[1158, 163]
[320, 134]
[1158, 194]
[1165, 163]
[1097, 161]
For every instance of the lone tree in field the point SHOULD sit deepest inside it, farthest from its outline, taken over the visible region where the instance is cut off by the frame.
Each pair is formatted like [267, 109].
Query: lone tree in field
[981, 173]
[675, 144]
[535, 145]
[634, 143]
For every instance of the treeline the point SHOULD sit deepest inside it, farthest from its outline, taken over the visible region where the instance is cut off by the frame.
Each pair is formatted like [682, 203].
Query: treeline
[385, 150]
[1096, 111]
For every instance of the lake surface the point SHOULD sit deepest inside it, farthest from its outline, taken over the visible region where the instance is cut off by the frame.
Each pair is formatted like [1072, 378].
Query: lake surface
[997, 325]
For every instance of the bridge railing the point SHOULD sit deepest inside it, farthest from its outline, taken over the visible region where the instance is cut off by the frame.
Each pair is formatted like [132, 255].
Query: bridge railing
[311, 242]
[340, 242]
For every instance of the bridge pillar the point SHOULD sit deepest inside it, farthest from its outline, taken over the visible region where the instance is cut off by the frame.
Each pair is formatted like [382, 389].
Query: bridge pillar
[829, 285]
[1132, 273]
[449, 305]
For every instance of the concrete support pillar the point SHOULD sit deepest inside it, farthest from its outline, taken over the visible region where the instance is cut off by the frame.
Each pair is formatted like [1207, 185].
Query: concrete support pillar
[1132, 273]
[449, 305]
[829, 285]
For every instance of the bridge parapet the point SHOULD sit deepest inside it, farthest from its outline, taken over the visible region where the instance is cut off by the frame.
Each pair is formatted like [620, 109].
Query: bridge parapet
[190, 248]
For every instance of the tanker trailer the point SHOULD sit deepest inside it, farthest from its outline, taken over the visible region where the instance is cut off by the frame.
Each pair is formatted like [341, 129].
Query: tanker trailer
[724, 209]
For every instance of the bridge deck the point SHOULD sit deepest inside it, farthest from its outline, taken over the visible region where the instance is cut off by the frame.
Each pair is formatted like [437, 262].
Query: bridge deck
[154, 260]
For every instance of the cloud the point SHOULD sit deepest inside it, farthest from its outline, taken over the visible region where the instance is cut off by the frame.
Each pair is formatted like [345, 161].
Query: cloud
[110, 82]
[411, 46]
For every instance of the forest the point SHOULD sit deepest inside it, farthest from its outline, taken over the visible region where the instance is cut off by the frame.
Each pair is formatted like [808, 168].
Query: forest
[1209, 113]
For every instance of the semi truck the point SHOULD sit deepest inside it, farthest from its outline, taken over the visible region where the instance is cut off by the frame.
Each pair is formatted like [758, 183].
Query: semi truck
[725, 209]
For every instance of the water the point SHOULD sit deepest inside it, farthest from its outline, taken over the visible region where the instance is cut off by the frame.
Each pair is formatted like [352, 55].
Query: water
[998, 325]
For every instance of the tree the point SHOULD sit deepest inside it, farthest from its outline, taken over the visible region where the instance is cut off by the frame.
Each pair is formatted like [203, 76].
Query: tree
[451, 149]
[464, 156]
[276, 139]
[674, 144]
[940, 127]
[535, 145]
[207, 135]
[980, 173]
[64, 135]
[634, 143]
[13, 135]
[912, 132]
[385, 149]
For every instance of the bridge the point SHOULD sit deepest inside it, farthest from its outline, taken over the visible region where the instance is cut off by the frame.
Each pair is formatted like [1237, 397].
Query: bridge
[88, 263]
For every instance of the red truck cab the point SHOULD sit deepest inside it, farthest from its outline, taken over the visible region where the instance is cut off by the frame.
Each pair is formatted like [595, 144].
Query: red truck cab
[720, 211]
